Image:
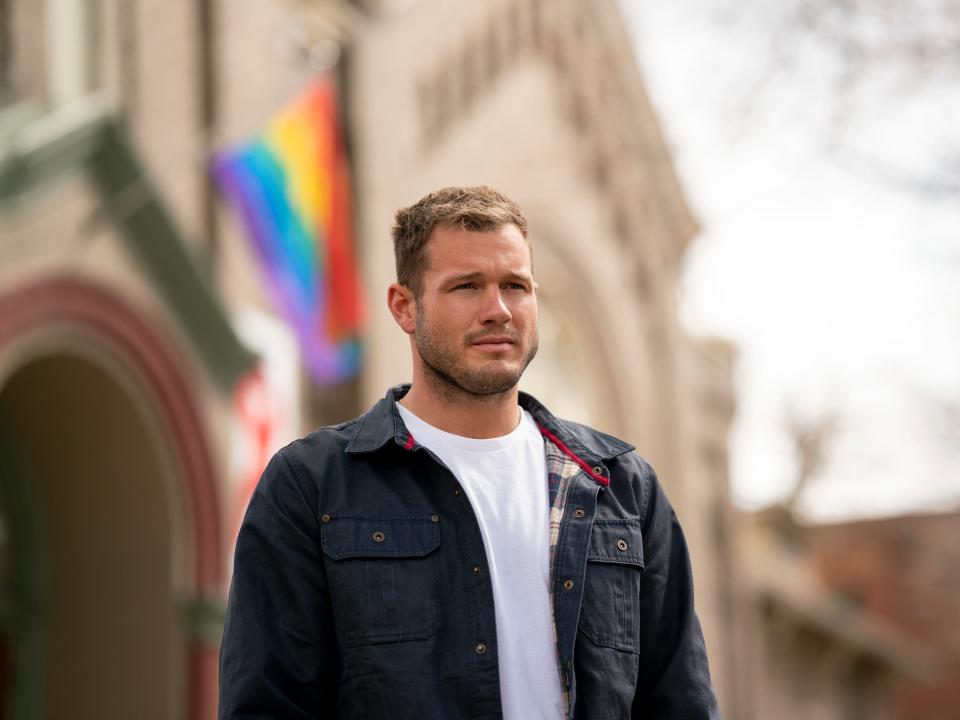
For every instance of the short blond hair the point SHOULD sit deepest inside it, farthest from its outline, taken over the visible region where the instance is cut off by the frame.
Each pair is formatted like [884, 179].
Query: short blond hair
[478, 208]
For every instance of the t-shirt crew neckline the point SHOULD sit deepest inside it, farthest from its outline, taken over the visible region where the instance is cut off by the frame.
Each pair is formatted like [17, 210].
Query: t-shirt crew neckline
[465, 444]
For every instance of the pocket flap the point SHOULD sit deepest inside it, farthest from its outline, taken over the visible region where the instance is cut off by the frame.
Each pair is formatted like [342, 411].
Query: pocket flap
[616, 541]
[349, 537]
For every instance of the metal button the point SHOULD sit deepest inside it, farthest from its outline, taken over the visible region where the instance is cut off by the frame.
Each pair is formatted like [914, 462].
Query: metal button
[435, 518]
[480, 648]
[476, 569]
[456, 492]
[578, 513]
[378, 536]
[324, 518]
[568, 584]
[622, 545]
[598, 470]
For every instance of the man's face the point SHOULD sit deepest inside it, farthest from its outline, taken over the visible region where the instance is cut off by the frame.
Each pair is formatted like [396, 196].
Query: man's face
[476, 318]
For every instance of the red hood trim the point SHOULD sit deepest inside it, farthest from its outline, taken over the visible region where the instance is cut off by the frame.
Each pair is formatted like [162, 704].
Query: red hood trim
[605, 481]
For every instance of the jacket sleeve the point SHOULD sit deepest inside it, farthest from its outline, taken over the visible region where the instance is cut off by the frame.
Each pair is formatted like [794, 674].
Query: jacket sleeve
[674, 681]
[278, 657]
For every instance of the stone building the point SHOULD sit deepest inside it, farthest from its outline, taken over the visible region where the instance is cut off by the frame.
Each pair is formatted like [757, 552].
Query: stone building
[132, 314]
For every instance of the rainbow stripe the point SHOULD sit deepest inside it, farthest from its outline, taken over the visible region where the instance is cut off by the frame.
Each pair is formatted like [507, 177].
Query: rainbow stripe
[292, 188]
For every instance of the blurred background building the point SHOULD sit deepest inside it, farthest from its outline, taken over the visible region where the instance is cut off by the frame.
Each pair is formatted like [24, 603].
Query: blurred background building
[903, 572]
[146, 373]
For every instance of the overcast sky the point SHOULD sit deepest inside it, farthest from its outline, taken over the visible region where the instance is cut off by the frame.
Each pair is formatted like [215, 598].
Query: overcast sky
[821, 256]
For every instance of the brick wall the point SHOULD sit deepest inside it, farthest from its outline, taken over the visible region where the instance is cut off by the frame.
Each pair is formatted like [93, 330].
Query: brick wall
[906, 570]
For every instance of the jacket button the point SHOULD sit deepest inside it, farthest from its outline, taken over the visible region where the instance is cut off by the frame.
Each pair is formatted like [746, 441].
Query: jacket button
[435, 518]
[598, 470]
[456, 492]
[324, 518]
[476, 569]
[578, 513]
[622, 545]
[480, 648]
[378, 536]
[568, 584]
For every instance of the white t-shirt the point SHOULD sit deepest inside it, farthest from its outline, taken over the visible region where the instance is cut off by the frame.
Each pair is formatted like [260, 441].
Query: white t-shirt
[505, 479]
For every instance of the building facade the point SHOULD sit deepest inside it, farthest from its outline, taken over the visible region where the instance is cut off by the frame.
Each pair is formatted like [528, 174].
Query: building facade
[144, 372]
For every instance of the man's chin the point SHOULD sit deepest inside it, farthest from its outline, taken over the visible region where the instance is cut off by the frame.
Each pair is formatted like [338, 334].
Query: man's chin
[481, 383]
[481, 377]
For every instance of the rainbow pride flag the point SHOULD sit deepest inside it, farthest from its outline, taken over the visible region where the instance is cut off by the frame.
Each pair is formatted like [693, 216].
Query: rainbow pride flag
[291, 186]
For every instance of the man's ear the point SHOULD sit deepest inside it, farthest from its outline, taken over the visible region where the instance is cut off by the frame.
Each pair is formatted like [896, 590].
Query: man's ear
[403, 307]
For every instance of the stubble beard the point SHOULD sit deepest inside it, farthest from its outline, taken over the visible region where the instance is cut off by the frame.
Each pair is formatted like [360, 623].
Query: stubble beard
[452, 379]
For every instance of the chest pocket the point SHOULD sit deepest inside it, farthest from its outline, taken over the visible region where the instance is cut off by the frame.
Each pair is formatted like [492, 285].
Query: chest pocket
[610, 615]
[383, 576]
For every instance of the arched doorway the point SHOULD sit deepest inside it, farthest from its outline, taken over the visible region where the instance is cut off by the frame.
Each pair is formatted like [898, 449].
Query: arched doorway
[107, 635]
[111, 579]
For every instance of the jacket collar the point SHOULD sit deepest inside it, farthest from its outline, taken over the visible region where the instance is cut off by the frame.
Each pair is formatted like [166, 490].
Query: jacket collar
[589, 447]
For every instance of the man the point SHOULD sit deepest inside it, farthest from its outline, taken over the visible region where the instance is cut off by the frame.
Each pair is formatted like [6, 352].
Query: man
[457, 551]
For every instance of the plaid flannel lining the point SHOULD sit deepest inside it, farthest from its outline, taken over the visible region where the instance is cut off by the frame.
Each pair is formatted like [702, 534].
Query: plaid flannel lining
[561, 469]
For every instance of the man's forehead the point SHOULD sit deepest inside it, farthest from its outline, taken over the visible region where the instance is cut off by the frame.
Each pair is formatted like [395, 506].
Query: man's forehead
[455, 251]
[474, 266]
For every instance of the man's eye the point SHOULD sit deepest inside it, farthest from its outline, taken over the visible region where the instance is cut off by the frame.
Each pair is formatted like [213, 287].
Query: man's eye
[465, 286]
[515, 286]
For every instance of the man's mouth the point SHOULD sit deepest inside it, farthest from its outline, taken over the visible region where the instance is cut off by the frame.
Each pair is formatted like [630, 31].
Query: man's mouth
[494, 343]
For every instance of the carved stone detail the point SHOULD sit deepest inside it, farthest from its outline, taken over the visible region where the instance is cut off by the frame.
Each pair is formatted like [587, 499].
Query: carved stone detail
[600, 96]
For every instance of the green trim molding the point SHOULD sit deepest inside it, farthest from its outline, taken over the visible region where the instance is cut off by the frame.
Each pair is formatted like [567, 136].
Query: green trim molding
[23, 593]
[86, 137]
[205, 618]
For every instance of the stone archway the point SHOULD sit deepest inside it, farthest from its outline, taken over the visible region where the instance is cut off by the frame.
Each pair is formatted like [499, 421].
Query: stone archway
[190, 565]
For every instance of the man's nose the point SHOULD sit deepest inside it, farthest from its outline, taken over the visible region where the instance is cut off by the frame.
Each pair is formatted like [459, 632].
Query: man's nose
[494, 308]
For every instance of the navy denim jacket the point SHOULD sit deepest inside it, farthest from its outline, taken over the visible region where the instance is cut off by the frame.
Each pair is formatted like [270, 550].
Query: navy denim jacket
[360, 587]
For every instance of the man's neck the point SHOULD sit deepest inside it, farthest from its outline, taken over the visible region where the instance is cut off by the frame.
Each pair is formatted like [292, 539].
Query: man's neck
[460, 413]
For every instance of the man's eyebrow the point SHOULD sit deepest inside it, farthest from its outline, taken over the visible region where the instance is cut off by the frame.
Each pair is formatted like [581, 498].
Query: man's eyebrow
[463, 277]
[524, 277]
[476, 275]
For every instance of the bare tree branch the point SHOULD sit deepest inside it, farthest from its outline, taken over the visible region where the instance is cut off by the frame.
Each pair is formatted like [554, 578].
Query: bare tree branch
[811, 435]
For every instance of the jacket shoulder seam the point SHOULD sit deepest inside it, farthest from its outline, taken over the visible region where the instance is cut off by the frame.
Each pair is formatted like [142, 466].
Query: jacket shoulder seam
[645, 474]
[297, 481]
